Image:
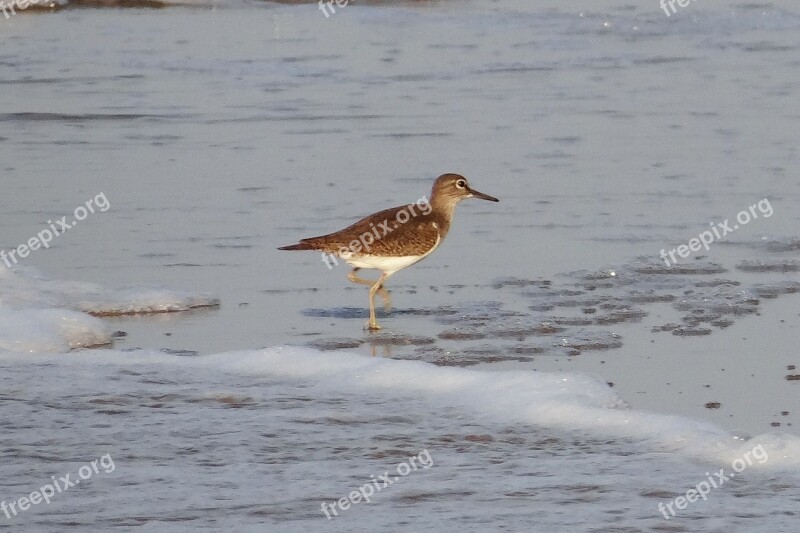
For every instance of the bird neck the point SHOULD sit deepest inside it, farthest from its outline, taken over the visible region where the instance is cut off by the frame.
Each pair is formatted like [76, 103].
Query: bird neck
[442, 210]
[444, 206]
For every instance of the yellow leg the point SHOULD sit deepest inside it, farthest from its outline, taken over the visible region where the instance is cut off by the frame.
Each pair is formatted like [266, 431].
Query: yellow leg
[373, 324]
[355, 279]
[387, 299]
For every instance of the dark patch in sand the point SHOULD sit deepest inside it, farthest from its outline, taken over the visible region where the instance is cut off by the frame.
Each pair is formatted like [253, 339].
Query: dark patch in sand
[588, 304]
[774, 265]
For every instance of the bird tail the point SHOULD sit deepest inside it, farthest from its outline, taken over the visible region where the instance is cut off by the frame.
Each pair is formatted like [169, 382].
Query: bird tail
[302, 245]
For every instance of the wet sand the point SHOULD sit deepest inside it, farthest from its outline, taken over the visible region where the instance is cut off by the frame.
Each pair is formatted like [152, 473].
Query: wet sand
[607, 135]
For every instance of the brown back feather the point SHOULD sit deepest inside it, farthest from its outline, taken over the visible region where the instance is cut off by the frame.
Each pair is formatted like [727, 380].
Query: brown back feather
[388, 236]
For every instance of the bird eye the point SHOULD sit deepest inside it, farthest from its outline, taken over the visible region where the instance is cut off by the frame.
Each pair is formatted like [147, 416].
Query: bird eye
[461, 184]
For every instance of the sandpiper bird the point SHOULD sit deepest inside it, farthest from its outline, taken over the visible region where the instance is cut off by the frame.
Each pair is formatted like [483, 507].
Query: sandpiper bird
[395, 238]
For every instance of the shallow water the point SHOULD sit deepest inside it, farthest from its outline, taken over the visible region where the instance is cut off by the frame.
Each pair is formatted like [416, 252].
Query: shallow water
[255, 439]
[218, 133]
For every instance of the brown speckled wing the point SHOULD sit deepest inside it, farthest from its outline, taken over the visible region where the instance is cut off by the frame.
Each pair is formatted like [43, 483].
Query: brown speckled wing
[384, 235]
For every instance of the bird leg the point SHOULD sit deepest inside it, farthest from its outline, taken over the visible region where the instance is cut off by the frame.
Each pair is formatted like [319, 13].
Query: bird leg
[387, 299]
[373, 324]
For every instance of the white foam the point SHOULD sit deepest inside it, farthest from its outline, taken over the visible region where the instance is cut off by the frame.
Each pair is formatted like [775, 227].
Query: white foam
[49, 330]
[41, 315]
[29, 288]
[566, 402]
[38, 314]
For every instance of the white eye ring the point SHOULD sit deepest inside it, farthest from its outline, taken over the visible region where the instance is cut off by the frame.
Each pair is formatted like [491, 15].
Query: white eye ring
[461, 184]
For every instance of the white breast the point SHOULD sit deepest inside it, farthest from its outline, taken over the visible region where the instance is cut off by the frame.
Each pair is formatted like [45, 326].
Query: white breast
[390, 265]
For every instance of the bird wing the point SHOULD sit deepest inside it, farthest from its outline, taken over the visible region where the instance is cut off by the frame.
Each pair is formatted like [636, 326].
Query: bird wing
[391, 232]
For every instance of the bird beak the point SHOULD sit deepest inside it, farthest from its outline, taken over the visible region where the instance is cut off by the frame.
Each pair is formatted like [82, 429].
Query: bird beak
[476, 194]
